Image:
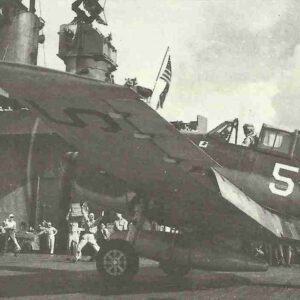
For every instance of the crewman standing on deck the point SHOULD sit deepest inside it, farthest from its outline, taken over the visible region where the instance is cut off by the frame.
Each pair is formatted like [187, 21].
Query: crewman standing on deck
[50, 232]
[121, 223]
[90, 229]
[74, 233]
[10, 233]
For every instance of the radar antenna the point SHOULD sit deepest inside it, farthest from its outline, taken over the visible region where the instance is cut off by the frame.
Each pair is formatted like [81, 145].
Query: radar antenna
[92, 7]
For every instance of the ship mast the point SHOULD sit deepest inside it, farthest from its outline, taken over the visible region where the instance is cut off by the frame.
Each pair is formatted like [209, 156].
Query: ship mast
[83, 48]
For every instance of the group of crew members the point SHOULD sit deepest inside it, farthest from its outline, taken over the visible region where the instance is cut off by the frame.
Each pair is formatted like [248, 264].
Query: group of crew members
[83, 230]
[92, 232]
[88, 230]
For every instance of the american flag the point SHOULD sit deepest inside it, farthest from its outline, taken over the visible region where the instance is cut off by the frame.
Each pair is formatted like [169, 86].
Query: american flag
[166, 76]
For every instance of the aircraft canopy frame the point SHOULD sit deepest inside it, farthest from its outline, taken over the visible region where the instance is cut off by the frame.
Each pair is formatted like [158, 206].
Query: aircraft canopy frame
[277, 141]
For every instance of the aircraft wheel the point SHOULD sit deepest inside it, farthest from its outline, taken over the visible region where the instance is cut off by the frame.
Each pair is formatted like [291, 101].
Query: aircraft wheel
[173, 270]
[117, 262]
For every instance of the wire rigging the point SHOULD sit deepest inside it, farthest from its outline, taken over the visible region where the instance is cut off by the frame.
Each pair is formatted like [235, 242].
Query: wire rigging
[104, 15]
[43, 45]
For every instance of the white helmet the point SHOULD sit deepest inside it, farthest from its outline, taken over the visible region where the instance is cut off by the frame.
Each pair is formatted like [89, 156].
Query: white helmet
[248, 129]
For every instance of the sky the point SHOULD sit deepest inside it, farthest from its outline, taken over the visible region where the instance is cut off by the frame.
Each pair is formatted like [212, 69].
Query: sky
[230, 58]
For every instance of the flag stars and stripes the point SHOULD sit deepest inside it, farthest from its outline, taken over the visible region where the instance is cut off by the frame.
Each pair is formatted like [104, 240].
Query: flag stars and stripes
[166, 76]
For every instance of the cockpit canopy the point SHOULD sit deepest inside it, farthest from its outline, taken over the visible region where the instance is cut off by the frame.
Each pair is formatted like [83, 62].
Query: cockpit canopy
[226, 132]
[271, 140]
[277, 141]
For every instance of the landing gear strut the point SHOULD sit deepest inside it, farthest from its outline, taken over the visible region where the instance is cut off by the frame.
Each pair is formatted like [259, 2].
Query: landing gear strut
[117, 262]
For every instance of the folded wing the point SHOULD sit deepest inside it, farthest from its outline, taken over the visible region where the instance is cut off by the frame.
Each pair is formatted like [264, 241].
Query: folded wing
[117, 133]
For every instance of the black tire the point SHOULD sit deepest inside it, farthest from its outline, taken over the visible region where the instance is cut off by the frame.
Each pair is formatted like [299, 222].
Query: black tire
[173, 270]
[117, 262]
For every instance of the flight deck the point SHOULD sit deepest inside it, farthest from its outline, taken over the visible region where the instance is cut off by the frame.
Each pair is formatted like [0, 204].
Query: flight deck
[40, 276]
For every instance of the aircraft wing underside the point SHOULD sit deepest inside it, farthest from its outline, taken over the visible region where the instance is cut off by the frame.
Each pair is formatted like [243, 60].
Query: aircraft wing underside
[116, 133]
[279, 226]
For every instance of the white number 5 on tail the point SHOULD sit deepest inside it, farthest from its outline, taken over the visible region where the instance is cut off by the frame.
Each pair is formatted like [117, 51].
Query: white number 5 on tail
[290, 183]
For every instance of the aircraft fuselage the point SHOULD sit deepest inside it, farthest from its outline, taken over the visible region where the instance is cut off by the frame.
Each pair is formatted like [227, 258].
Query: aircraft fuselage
[271, 179]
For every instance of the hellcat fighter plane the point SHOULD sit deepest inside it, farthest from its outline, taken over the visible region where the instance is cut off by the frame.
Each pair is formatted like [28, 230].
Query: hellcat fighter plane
[217, 195]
